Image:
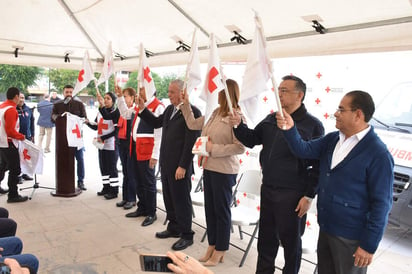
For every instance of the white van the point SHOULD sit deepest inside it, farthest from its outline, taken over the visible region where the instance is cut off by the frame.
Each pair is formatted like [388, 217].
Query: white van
[393, 124]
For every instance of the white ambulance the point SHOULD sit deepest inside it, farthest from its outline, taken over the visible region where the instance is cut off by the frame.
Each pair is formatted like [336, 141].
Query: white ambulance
[393, 123]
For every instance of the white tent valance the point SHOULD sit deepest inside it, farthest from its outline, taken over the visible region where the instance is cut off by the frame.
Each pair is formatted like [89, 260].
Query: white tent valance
[47, 30]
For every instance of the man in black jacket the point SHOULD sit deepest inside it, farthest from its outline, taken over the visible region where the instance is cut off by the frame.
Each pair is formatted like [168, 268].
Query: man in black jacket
[289, 183]
[176, 165]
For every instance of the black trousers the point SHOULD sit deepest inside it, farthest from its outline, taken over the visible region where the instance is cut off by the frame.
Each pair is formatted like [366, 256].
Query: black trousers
[335, 255]
[218, 198]
[178, 203]
[108, 166]
[128, 184]
[279, 224]
[145, 186]
[10, 160]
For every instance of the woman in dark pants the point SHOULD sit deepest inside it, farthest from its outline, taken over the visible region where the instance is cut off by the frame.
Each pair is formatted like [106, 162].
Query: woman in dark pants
[220, 170]
[106, 126]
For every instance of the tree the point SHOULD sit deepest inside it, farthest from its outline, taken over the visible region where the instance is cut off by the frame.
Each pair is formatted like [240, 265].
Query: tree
[17, 76]
[161, 83]
[61, 77]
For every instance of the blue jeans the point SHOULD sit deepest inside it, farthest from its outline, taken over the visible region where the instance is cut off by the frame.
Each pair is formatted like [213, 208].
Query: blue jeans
[80, 164]
[12, 247]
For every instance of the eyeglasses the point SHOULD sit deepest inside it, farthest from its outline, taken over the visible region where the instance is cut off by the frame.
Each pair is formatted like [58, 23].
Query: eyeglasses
[285, 90]
[342, 110]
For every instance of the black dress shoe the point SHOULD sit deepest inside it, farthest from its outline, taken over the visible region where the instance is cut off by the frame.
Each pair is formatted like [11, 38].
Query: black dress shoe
[17, 199]
[121, 203]
[149, 220]
[167, 234]
[129, 205]
[3, 191]
[134, 214]
[27, 177]
[182, 244]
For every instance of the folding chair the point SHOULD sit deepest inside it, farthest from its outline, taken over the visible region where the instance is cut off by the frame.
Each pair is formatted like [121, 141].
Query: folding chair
[245, 211]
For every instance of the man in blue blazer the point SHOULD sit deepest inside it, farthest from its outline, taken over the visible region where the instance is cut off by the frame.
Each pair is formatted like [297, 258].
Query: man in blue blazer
[176, 165]
[355, 185]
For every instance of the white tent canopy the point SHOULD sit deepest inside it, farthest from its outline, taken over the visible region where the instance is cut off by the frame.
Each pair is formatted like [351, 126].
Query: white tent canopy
[46, 30]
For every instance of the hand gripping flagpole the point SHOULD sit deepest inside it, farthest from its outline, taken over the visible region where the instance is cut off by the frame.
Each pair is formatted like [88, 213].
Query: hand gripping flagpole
[269, 63]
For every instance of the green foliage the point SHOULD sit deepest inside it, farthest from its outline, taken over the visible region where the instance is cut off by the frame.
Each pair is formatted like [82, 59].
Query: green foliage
[61, 77]
[17, 76]
[161, 83]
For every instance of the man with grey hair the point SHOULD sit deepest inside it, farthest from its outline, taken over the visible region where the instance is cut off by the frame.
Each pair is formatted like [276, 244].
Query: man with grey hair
[44, 122]
[176, 165]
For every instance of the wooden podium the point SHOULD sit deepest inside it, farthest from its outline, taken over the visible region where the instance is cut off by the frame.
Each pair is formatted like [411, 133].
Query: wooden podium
[65, 181]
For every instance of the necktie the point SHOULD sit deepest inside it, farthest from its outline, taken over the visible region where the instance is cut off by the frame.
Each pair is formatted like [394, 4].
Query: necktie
[173, 113]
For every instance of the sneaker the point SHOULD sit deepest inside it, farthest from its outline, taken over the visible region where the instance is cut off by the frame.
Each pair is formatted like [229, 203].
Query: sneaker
[81, 186]
[110, 195]
[129, 205]
[121, 203]
[17, 199]
[3, 191]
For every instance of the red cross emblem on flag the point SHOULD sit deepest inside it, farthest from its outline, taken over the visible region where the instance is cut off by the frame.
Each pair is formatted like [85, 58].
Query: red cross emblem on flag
[198, 143]
[101, 126]
[80, 77]
[146, 74]
[211, 86]
[26, 155]
[77, 131]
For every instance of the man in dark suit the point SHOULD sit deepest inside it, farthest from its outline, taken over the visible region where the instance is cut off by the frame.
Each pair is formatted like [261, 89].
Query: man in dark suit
[176, 165]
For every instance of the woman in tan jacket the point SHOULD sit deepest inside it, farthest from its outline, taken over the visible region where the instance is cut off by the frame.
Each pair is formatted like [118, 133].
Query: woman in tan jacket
[220, 170]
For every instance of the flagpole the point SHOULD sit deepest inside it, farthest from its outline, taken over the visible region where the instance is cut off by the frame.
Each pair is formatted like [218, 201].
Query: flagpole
[140, 71]
[190, 59]
[269, 63]
[229, 101]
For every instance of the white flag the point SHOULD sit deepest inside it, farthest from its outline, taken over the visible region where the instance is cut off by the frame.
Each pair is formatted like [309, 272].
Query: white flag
[144, 77]
[85, 75]
[213, 80]
[74, 126]
[31, 158]
[108, 68]
[255, 78]
[193, 77]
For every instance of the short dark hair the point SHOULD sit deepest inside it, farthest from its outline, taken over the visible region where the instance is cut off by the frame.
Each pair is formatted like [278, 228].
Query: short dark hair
[363, 101]
[299, 84]
[68, 86]
[12, 92]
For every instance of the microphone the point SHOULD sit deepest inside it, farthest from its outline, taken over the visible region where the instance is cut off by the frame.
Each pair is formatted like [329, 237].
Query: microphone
[67, 100]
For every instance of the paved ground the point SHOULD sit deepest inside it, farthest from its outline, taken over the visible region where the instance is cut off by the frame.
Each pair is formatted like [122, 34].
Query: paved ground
[87, 234]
